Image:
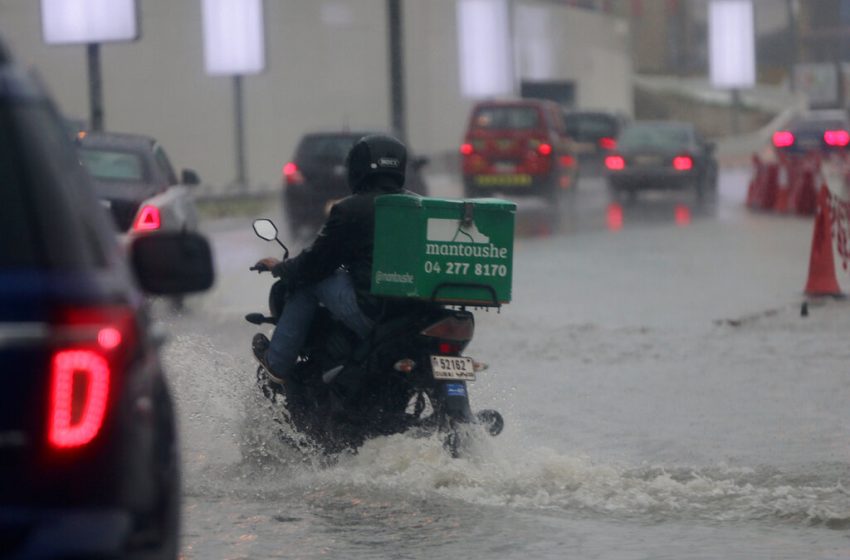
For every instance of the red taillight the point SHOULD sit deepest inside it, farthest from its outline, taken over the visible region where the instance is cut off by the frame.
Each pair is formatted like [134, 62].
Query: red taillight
[544, 149]
[783, 138]
[607, 143]
[148, 219]
[449, 348]
[93, 342]
[78, 396]
[837, 138]
[292, 175]
[683, 163]
[615, 163]
[568, 161]
[452, 328]
[466, 149]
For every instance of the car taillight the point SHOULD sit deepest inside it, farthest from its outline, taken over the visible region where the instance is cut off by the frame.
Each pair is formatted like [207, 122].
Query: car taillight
[783, 138]
[544, 149]
[148, 219]
[607, 143]
[568, 161]
[615, 163]
[837, 138]
[683, 163]
[459, 329]
[92, 345]
[466, 149]
[292, 175]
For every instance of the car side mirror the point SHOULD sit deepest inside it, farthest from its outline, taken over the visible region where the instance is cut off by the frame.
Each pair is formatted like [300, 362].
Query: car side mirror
[172, 262]
[189, 177]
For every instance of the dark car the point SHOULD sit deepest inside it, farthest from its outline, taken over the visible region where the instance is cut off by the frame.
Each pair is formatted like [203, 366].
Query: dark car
[517, 147]
[134, 178]
[593, 135]
[822, 132]
[316, 177]
[661, 155]
[88, 456]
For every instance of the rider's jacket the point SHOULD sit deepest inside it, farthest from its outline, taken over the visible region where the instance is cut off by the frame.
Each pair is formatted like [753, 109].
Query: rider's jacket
[345, 240]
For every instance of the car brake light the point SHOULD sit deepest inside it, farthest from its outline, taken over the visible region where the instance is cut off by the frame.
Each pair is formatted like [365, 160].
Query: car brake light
[683, 163]
[544, 149]
[837, 138]
[148, 219]
[449, 348]
[607, 143]
[452, 328]
[292, 175]
[78, 396]
[615, 163]
[568, 161]
[783, 138]
[466, 149]
[93, 343]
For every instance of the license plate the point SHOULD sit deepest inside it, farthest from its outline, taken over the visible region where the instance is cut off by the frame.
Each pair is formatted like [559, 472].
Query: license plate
[648, 160]
[452, 368]
[510, 180]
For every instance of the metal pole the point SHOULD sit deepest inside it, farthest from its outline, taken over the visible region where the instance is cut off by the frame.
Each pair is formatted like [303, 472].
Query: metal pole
[239, 130]
[736, 111]
[95, 86]
[396, 61]
[793, 42]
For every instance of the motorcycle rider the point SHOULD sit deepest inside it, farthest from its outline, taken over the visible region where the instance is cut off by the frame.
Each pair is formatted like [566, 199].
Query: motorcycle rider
[336, 269]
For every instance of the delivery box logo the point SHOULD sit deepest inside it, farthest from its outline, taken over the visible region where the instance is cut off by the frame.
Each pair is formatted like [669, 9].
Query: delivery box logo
[454, 231]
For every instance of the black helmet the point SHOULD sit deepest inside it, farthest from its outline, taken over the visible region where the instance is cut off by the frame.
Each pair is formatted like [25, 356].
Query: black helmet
[376, 155]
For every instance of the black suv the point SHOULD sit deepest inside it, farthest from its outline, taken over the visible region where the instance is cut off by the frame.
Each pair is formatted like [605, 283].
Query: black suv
[88, 457]
[316, 177]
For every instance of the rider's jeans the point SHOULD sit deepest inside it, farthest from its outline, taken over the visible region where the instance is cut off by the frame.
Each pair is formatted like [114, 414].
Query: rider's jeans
[337, 294]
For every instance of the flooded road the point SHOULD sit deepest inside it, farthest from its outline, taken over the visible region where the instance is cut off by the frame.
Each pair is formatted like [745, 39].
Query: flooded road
[663, 398]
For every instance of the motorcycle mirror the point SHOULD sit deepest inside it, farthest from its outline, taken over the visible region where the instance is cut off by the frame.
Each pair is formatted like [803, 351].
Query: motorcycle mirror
[265, 229]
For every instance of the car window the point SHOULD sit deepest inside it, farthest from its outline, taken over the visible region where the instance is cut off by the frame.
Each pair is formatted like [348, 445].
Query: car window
[820, 125]
[331, 148]
[500, 118]
[63, 214]
[19, 248]
[165, 164]
[657, 137]
[591, 127]
[113, 165]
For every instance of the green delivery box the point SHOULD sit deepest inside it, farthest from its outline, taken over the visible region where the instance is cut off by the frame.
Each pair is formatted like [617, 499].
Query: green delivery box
[451, 251]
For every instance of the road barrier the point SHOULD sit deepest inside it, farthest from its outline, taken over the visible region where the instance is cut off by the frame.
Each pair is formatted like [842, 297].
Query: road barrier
[786, 186]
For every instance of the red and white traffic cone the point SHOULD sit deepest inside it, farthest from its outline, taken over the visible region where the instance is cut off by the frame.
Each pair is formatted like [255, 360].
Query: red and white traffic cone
[822, 280]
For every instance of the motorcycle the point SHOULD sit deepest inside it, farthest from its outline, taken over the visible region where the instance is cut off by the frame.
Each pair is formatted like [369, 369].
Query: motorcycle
[408, 376]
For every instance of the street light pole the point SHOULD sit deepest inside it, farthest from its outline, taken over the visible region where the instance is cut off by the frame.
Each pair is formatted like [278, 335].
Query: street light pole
[95, 86]
[239, 131]
[396, 61]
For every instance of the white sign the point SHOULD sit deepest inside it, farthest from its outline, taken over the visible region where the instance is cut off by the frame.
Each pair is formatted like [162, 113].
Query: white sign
[486, 54]
[731, 43]
[234, 42]
[69, 22]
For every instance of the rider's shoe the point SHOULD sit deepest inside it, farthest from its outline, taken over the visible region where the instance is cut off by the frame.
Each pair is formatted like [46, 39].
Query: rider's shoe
[260, 345]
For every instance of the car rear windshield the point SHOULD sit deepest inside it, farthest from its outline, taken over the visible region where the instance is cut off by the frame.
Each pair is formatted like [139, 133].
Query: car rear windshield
[658, 137]
[327, 148]
[819, 126]
[18, 247]
[506, 118]
[591, 127]
[113, 165]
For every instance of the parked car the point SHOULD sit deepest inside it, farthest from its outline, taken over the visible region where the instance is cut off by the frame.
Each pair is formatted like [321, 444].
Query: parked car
[593, 135]
[661, 155]
[822, 132]
[88, 456]
[134, 178]
[317, 176]
[517, 147]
